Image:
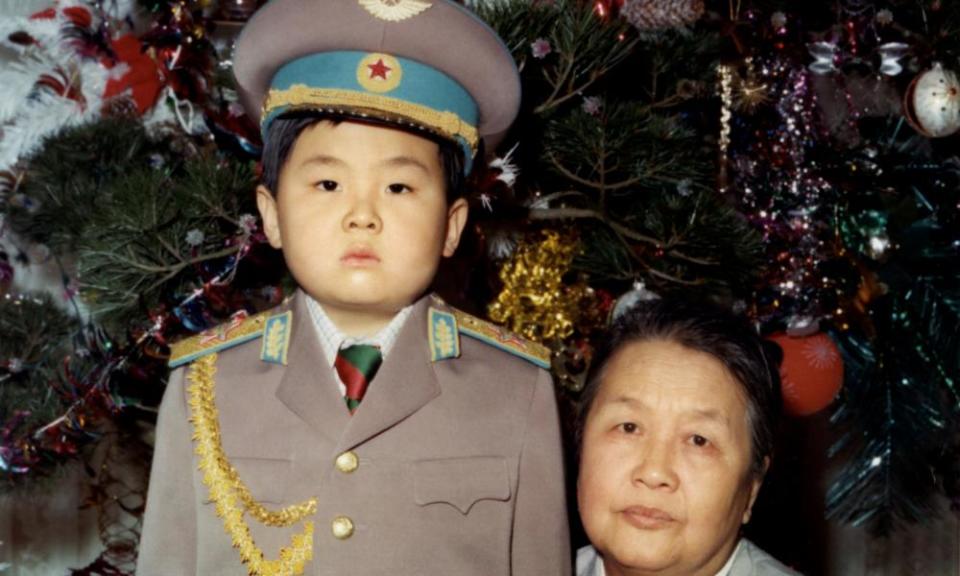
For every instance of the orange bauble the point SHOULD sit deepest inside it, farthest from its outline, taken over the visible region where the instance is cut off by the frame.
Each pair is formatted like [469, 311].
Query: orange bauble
[811, 372]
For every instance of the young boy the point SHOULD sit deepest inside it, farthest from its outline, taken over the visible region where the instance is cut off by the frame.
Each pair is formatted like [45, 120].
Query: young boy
[364, 427]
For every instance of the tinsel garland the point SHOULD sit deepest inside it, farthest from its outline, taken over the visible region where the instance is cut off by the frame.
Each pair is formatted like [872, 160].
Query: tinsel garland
[226, 487]
[40, 422]
[535, 301]
[659, 14]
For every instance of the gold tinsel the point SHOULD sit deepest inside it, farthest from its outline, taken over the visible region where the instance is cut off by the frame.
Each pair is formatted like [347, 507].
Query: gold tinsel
[230, 495]
[535, 301]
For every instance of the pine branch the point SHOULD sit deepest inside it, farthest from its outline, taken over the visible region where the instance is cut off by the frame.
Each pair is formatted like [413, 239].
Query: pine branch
[625, 146]
[35, 336]
[136, 254]
[600, 185]
[694, 240]
[574, 213]
[585, 47]
[893, 422]
[63, 184]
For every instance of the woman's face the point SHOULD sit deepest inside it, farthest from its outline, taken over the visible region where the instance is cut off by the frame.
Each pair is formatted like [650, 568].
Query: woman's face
[665, 469]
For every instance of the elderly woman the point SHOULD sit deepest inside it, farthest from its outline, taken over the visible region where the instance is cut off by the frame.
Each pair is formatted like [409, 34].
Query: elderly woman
[675, 434]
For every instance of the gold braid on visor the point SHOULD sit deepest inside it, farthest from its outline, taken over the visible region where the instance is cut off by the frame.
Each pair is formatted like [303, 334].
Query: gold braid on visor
[300, 96]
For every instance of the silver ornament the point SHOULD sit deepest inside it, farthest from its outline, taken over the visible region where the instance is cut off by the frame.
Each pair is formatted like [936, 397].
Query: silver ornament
[631, 298]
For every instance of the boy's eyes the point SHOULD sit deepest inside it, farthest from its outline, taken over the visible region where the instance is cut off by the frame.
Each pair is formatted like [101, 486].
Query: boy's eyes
[327, 185]
[333, 186]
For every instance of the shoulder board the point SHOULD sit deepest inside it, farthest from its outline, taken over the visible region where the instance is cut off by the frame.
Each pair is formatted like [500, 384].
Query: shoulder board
[503, 339]
[239, 329]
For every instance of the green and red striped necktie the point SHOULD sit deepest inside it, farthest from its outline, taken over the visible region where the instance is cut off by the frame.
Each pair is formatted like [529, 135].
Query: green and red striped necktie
[357, 365]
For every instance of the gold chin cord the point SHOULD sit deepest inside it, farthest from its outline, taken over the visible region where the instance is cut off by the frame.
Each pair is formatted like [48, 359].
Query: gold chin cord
[230, 495]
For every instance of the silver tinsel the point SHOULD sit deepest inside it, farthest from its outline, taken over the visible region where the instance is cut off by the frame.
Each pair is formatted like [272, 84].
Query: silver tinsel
[661, 14]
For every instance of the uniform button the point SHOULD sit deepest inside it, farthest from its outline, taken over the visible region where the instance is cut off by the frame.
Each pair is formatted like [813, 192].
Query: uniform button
[347, 462]
[342, 527]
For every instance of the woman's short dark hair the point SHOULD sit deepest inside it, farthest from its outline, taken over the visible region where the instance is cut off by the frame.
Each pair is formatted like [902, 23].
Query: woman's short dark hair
[707, 328]
[284, 131]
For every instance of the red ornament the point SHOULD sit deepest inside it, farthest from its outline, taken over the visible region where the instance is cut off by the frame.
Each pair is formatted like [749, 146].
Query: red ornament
[143, 76]
[811, 372]
[79, 15]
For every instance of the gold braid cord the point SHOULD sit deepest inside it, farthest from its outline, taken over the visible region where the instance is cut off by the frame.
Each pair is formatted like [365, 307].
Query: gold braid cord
[230, 495]
[447, 123]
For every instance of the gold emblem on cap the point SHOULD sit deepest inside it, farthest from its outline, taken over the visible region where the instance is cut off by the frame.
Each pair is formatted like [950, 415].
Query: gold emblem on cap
[379, 73]
[394, 10]
[445, 123]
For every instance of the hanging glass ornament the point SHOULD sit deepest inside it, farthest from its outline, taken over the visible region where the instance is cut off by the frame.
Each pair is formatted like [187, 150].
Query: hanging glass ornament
[824, 57]
[890, 55]
[800, 326]
[884, 17]
[877, 246]
[778, 20]
[867, 233]
[639, 293]
[238, 10]
[811, 372]
[932, 102]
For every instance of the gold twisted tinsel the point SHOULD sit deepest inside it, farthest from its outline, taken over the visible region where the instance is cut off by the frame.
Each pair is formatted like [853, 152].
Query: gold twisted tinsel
[535, 301]
[726, 100]
[226, 488]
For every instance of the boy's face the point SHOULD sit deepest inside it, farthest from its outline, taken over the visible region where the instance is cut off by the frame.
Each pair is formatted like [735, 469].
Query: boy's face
[362, 217]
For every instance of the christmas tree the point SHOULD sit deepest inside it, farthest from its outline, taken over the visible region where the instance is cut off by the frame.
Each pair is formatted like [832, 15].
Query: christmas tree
[797, 162]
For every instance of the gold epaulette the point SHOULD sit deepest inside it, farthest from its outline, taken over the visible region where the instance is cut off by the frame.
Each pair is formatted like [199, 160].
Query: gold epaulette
[501, 338]
[239, 329]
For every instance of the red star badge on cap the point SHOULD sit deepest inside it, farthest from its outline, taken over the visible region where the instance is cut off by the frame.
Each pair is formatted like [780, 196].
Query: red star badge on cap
[378, 73]
[379, 70]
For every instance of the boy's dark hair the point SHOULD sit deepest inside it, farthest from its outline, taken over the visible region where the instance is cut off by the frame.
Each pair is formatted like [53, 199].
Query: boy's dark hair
[705, 328]
[284, 131]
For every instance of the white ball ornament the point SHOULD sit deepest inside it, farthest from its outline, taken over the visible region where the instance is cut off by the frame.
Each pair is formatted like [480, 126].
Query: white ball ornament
[639, 293]
[932, 102]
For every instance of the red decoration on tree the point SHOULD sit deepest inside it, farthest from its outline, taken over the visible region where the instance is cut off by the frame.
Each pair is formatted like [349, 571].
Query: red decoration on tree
[79, 15]
[143, 76]
[811, 372]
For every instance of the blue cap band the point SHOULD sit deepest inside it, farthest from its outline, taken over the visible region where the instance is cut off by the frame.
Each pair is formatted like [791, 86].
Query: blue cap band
[376, 85]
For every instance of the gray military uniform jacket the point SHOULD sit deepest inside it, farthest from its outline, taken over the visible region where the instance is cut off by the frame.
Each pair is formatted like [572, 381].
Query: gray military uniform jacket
[748, 560]
[459, 467]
